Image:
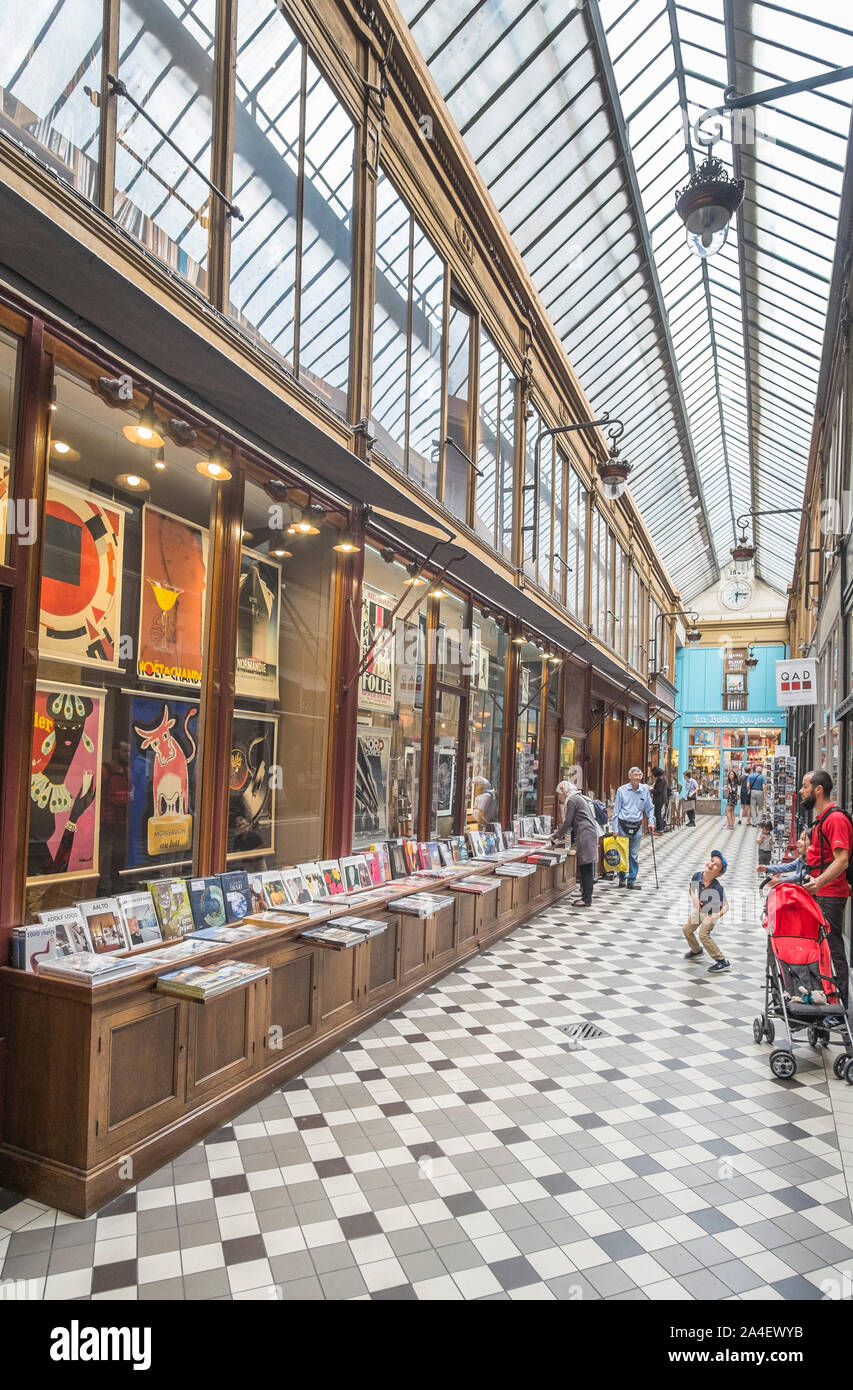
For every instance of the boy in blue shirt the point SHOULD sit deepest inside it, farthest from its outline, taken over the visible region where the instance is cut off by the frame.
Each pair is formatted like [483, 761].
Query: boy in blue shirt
[707, 905]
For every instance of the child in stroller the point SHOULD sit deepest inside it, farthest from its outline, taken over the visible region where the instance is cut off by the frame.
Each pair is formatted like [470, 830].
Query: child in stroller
[800, 990]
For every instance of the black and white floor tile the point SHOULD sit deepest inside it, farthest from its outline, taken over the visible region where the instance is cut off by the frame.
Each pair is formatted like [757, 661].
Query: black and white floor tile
[465, 1148]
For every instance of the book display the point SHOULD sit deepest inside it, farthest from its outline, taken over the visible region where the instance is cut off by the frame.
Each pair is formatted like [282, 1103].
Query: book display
[172, 902]
[207, 902]
[204, 982]
[105, 925]
[140, 918]
[69, 929]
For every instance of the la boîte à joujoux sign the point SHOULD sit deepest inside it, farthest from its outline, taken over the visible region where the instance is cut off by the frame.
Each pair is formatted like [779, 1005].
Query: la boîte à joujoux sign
[796, 682]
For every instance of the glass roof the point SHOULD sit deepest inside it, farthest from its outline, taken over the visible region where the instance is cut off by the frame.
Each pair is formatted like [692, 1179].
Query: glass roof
[579, 117]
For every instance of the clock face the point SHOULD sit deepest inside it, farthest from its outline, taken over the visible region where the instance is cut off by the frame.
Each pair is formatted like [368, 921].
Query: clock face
[736, 593]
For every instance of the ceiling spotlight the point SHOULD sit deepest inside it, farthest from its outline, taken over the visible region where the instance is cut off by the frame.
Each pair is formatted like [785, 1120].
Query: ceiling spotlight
[415, 578]
[214, 466]
[282, 554]
[706, 206]
[346, 544]
[437, 592]
[132, 482]
[160, 460]
[304, 522]
[146, 431]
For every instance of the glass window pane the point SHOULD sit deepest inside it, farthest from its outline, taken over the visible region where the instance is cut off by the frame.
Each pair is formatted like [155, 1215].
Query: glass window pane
[528, 718]
[391, 319]
[266, 175]
[49, 53]
[426, 362]
[116, 781]
[324, 327]
[456, 468]
[485, 514]
[453, 645]
[489, 648]
[391, 702]
[167, 65]
[445, 768]
[281, 703]
[508, 434]
[20, 520]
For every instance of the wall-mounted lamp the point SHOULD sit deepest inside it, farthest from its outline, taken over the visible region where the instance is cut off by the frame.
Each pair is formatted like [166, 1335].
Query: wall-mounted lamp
[146, 431]
[214, 466]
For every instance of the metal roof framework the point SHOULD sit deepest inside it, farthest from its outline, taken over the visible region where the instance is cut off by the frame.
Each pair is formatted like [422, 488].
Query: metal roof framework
[579, 117]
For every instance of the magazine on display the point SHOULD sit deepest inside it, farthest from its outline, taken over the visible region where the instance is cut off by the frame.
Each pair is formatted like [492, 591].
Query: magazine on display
[175, 950]
[228, 934]
[204, 981]
[410, 849]
[475, 884]
[295, 887]
[332, 877]
[515, 870]
[445, 853]
[314, 880]
[398, 862]
[140, 917]
[70, 929]
[355, 872]
[235, 891]
[207, 902]
[172, 902]
[422, 904]
[32, 947]
[368, 926]
[373, 858]
[88, 968]
[339, 937]
[105, 925]
[273, 889]
[257, 896]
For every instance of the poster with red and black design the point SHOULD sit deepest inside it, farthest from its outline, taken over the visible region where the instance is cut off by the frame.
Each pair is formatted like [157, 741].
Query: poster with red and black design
[80, 608]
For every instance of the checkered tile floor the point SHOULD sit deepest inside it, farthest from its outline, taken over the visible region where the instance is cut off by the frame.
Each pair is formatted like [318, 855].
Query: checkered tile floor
[464, 1149]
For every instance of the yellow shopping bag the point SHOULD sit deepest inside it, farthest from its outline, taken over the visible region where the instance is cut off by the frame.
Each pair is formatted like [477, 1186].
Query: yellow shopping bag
[615, 850]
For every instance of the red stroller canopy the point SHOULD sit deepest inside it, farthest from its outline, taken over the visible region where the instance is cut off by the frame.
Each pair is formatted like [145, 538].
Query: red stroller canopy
[791, 911]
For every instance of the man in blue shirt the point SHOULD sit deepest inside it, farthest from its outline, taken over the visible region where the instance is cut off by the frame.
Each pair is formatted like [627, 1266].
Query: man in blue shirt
[756, 795]
[632, 801]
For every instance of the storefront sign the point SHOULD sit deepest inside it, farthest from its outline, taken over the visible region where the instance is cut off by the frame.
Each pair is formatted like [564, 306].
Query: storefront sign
[796, 682]
[733, 720]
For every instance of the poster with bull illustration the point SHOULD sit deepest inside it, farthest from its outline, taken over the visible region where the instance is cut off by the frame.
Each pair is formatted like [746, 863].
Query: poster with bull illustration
[163, 761]
[251, 804]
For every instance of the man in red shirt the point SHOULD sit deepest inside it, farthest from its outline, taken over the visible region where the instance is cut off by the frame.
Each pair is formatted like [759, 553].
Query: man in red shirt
[827, 858]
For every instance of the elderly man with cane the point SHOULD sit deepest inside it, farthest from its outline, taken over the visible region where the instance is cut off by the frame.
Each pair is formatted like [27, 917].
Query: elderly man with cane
[633, 800]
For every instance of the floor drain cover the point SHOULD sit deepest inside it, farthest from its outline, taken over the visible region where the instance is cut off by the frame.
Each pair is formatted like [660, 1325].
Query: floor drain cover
[579, 1033]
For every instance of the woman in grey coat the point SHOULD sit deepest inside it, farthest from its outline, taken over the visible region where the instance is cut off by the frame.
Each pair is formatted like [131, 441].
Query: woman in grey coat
[580, 820]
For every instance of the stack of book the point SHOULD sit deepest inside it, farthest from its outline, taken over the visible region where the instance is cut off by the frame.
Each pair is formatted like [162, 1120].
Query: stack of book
[475, 884]
[515, 870]
[204, 982]
[422, 904]
[338, 938]
[85, 967]
[368, 926]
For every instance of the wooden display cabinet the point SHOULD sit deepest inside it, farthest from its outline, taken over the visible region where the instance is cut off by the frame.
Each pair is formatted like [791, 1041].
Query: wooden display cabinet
[119, 1079]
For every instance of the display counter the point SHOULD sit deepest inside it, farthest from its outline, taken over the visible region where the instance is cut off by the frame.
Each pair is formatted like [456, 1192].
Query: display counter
[116, 1079]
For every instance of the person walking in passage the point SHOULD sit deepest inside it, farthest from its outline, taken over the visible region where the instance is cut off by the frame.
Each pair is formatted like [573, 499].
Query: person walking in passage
[756, 795]
[580, 821]
[827, 859]
[660, 796]
[707, 905]
[688, 796]
[632, 802]
[732, 797]
[744, 795]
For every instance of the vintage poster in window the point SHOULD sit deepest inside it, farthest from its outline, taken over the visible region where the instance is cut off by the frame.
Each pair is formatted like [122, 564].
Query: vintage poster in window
[251, 796]
[373, 761]
[80, 605]
[65, 783]
[163, 761]
[376, 686]
[445, 780]
[172, 597]
[258, 610]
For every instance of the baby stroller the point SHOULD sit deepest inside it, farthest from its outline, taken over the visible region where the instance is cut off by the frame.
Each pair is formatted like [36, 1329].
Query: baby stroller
[799, 968]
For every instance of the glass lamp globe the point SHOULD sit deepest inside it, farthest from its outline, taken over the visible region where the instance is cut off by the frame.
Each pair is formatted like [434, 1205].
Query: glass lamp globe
[613, 486]
[708, 241]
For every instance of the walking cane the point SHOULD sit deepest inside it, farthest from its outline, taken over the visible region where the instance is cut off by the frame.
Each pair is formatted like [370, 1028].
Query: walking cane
[654, 860]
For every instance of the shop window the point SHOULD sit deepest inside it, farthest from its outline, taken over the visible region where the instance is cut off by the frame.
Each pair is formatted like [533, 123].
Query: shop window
[123, 655]
[279, 738]
[408, 334]
[486, 702]
[457, 469]
[291, 256]
[617, 617]
[703, 758]
[445, 765]
[49, 55]
[390, 704]
[493, 511]
[167, 64]
[17, 520]
[528, 730]
[528, 494]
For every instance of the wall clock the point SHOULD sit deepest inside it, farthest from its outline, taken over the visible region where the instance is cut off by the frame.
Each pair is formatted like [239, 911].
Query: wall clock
[736, 593]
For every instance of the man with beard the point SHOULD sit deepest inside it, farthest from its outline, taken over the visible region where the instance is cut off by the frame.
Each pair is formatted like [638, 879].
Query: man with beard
[827, 859]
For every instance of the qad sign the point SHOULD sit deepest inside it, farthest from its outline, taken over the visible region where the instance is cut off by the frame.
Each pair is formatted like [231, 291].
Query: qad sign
[796, 682]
